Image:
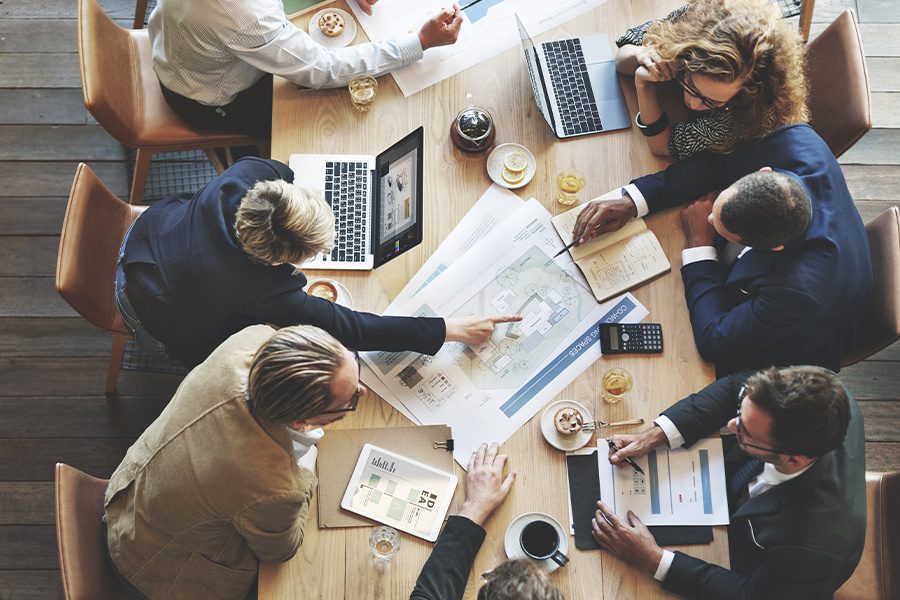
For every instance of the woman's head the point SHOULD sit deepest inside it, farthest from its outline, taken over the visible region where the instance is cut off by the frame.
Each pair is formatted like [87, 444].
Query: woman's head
[736, 53]
[279, 222]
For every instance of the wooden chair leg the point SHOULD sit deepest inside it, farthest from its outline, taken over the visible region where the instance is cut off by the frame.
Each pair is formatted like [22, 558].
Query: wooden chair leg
[140, 13]
[141, 170]
[806, 14]
[215, 160]
[115, 362]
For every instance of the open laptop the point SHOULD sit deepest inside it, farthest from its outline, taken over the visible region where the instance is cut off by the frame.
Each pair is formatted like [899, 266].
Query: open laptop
[575, 84]
[376, 200]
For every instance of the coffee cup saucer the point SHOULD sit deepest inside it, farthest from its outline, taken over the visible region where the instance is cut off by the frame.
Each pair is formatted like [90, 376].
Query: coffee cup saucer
[514, 531]
[343, 294]
[566, 443]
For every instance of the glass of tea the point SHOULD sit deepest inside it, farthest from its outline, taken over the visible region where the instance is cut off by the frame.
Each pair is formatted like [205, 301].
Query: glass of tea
[385, 542]
[362, 92]
[568, 184]
[615, 385]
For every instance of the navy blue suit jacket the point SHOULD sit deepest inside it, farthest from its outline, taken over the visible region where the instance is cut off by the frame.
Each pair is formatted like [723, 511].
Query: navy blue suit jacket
[801, 305]
[192, 285]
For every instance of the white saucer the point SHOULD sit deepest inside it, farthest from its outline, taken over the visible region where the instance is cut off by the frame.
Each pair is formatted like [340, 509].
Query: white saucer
[566, 443]
[514, 531]
[495, 165]
[343, 294]
[346, 37]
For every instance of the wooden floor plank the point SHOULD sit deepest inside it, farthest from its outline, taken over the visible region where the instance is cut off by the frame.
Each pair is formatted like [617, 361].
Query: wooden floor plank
[42, 107]
[879, 11]
[52, 337]
[28, 547]
[26, 503]
[882, 419]
[878, 39]
[96, 457]
[877, 147]
[883, 456]
[46, 178]
[872, 182]
[58, 142]
[886, 109]
[872, 381]
[38, 35]
[79, 416]
[869, 209]
[34, 70]
[62, 9]
[884, 74]
[28, 256]
[826, 11]
[76, 377]
[31, 585]
[891, 353]
[32, 216]
[32, 297]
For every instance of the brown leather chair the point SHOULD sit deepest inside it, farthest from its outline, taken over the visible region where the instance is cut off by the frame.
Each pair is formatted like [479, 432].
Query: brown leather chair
[84, 565]
[881, 327]
[878, 575]
[92, 232]
[840, 107]
[122, 92]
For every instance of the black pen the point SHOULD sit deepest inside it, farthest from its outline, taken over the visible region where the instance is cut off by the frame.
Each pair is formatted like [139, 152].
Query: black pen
[472, 3]
[633, 464]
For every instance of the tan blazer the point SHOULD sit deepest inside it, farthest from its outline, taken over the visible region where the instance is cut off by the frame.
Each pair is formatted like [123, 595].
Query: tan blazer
[208, 489]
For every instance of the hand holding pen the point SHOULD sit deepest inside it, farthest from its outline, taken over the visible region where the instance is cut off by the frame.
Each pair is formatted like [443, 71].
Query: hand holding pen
[614, 448]
[627, 445]
[598, 217]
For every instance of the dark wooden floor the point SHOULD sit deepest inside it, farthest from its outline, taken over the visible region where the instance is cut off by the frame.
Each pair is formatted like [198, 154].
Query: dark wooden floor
[53, 363]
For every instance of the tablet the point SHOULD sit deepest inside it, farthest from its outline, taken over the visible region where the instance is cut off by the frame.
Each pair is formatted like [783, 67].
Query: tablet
[400, 492]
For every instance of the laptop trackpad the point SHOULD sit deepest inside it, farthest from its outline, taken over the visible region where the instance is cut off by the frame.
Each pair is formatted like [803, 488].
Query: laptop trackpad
[604, 80]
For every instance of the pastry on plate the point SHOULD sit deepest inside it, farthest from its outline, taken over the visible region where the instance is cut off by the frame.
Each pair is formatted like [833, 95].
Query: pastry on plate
[568, 421]
[331, 24]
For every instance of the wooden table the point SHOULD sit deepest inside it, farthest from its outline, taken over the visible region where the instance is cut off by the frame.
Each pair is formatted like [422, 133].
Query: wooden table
[336, 563]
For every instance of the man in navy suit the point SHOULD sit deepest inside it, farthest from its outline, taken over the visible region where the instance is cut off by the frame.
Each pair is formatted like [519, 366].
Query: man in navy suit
[776, 270]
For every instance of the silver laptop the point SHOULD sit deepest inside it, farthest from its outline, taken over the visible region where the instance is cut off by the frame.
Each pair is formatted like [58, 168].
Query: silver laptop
[376, 200]
[575, 84]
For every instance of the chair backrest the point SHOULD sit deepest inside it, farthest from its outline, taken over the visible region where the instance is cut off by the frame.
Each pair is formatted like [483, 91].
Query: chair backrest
[840, 107]
[881, 327]
[92, 232]
[110, 83]
[85, 568]
[878, 575]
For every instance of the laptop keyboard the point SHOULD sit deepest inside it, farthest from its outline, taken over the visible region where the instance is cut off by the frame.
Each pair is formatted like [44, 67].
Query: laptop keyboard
[568, 75]
[347, 191]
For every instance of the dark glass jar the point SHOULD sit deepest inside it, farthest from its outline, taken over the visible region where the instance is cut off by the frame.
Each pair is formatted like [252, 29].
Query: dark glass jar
[473, 130]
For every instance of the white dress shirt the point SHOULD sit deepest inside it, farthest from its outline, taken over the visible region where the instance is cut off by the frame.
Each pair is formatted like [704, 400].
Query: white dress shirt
[210, 50]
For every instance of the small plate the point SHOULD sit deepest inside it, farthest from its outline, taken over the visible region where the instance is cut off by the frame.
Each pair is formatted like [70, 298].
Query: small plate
[345, 39]
[566, 443]
[343, 294]
[495, 165]
[514, 531]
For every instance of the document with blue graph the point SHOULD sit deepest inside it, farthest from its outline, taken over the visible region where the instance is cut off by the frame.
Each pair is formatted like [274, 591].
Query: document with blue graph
[678, 487]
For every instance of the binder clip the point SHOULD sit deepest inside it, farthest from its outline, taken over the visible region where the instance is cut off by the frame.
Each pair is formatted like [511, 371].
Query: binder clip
[448, 445]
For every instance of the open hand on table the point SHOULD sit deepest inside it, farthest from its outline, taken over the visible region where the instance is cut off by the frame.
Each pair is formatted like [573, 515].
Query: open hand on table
[486, 487]
[630, 541]
[475, 330]
[603, 216]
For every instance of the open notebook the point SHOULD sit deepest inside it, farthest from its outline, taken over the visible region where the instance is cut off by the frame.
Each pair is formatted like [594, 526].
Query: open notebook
[614, 262]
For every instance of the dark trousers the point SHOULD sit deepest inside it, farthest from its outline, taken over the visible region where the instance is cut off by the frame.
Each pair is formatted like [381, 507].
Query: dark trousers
[250, 113]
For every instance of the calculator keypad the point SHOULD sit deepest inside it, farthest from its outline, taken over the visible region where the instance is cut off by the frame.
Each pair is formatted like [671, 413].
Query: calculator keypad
[642, 338]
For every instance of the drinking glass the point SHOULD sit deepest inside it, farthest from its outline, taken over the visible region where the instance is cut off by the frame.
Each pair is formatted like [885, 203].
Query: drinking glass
[615, 385]
[385, 542]
[568, 183]
[362, 92]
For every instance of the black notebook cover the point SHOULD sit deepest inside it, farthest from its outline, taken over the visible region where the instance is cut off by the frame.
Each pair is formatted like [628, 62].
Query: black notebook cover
[584, 489]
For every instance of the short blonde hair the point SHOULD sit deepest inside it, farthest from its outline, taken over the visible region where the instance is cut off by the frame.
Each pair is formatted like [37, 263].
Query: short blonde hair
[279, 222]
[291, 374]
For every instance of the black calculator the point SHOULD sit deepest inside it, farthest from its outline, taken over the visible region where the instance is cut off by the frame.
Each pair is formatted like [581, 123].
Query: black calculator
[631, 338]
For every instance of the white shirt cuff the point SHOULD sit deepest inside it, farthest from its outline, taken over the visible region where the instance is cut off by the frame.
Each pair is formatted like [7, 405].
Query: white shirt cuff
[638, 198]
[665, 563]
[672, 433]
[698, 253]
[410, 48]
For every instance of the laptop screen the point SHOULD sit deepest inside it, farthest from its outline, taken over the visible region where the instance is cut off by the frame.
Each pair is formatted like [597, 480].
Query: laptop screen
[398, 222]
[535, 74]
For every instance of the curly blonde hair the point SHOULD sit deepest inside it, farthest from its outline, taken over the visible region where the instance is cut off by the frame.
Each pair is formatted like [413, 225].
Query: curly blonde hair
[740, 40]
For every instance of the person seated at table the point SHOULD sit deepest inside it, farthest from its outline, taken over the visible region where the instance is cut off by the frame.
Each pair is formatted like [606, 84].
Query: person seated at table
[776, 268]
[213, 486]
[193, 272]
[739, 65]
[215, 58]
[445, 573]
[796, 483]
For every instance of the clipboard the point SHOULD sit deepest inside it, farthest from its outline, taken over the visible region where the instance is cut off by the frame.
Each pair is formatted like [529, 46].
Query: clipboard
[339, 451]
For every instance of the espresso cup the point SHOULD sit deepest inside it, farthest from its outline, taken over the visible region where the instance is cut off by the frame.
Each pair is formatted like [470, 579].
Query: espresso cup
[540, 540]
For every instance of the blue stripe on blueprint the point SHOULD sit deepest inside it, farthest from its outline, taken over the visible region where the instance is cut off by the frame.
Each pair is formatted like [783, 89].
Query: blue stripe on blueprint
[705, 482]
[537, 383]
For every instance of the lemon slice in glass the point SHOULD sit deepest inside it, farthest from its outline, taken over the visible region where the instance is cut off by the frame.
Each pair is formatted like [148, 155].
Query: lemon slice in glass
[515, 162]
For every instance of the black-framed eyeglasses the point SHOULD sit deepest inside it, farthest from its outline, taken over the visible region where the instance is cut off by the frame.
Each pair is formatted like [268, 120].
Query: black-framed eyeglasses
[741, 432]
[354, 400]
[692, 91]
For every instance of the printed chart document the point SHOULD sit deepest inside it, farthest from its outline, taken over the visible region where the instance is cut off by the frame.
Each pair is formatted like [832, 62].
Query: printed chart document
[488, 29]
[617, 261]
[679, 487]
[488, 392]
[399, 492]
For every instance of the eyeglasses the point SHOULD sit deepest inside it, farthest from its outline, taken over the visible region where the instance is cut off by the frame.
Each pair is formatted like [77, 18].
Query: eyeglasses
[741, 432]
[692, 91]
[354, 400]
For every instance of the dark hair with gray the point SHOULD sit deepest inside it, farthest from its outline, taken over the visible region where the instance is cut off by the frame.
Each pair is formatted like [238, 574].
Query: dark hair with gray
[809, 407]
[519, 579]
[767, 210]
[291, 374]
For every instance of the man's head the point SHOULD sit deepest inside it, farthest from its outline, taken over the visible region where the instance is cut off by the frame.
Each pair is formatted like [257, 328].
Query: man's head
[303, 378]
[763, 210]
[518, 579]
[790, 416]
[279, 222]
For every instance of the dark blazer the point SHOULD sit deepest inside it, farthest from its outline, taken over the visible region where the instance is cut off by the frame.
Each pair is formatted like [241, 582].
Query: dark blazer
[802, 305]
[445, 573]
[800, 539]
[192, 286]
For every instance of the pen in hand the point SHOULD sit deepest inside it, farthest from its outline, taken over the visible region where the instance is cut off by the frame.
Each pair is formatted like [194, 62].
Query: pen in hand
[633, 464]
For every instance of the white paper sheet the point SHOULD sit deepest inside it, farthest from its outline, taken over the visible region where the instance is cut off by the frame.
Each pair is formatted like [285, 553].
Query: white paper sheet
[488, 29]
[679, 486]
